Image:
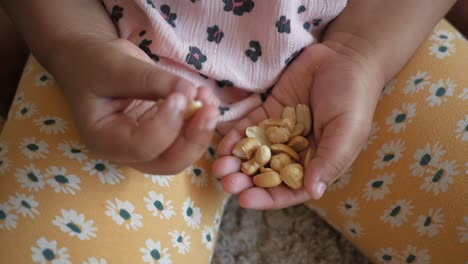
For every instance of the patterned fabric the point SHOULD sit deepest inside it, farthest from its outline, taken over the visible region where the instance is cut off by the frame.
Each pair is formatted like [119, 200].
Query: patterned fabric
[204, 41]
[60, 204]
[405, 198]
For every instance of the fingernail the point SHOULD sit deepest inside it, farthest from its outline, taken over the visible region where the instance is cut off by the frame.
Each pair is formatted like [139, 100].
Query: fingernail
[319, 189]
[185, 87]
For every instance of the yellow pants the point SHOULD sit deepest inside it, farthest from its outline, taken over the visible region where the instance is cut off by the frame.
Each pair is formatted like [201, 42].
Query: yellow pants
[404, 201]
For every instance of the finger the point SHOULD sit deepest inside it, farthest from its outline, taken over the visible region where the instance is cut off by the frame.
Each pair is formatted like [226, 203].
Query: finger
[338, 146]
[226, 165]
[272, 198]
[236, 182]
[128, 140]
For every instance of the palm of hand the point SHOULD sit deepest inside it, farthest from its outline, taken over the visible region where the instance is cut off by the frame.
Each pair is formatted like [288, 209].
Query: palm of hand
[336, 88]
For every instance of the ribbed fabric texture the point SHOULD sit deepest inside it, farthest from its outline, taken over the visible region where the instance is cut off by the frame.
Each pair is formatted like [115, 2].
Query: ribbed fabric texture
[237, 47]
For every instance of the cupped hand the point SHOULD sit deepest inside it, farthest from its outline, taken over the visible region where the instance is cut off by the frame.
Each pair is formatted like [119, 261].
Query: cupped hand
[342, 90]
[112, 86]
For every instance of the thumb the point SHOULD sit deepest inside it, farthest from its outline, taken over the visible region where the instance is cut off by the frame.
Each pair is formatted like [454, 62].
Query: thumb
[338, 146]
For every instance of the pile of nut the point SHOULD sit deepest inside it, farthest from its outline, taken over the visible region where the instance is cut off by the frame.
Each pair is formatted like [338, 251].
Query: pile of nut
[272, 150]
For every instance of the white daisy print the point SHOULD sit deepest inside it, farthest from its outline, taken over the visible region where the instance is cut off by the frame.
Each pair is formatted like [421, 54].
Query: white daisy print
[442, 36]
[353, 229]
[75, 225]
[192, 215]
[217, 220]
[5, 164]
[163, 181]
[154, 253]
[73, 150]
[94, 260]
[7, 218]
[440, 178]
[25, 111]
[398, 213]
[388, 154]
[442, 50]
[430, 223]
[373, 134]
[388, 88]
[25, 205]
[51, 125]
[440, 92]
[198, 176]
[464, 94]
[399, 118]
[349, 207]
[19, 98]
[207, 237]
[180, 241]
[462, 129]
[106, 171]
[60, 181]
[47, 253]
[210, 153]
[30, 178]
[43, 79]
[27, 69]
[377, 188]
[414, 256]
[341, 182]
[426, 157]
[123, 213]
[387, 256]
[417, 83]
[156, 204]
[34, 149]
[463, 230]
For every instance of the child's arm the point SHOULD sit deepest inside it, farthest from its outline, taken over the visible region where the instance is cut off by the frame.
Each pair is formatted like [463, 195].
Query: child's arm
[112, 85]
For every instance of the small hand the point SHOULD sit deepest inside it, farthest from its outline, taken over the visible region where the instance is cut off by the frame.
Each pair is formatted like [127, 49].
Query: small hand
[342, 92]
[112, 87]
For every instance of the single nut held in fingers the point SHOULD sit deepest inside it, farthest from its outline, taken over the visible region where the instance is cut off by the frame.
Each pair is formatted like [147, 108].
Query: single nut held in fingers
[277, 134]
[282, 148]
[293, 175]
[278, 161]
[298, 143]
[245, 149]
[262, 155]
[267, 179]
[250, 167]
[258, 133]
[192, 108]
[304, 117]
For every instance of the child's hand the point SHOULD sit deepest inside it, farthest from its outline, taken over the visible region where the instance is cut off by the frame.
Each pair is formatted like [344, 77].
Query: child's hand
[112, 87]
[342, 91]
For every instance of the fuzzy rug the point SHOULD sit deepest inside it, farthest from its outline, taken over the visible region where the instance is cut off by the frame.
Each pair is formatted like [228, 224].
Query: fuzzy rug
[294, 235]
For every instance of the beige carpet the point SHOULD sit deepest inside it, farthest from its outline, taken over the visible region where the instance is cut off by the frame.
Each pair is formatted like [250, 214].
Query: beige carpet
[294, 235]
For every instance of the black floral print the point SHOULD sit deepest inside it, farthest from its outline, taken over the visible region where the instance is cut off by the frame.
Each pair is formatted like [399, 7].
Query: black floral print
[315, 22]
[168, 16]
[224, 83]
[255, 50]
[215, 34]
[144, 45]
[223, 109]
[283, 25]
[149, 2]
[117, 13]
[195, 58]
[238, 7]
[301, 9]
